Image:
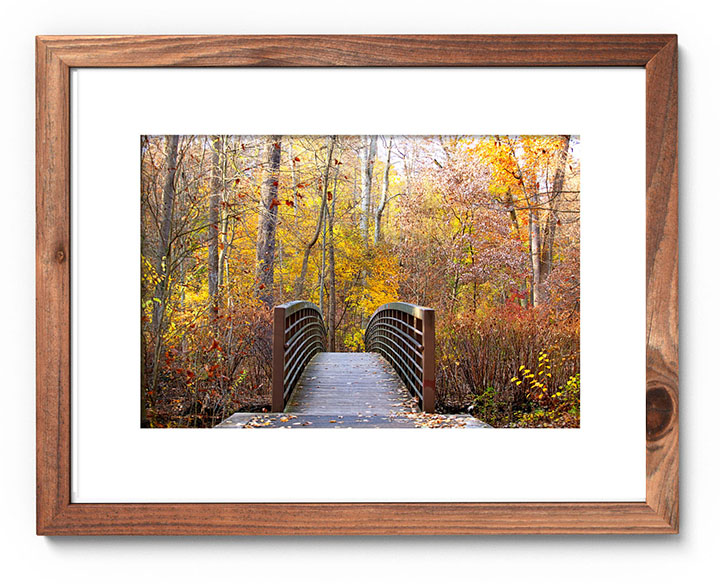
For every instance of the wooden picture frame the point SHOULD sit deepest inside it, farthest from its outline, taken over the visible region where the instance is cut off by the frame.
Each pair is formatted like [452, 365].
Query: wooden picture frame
[57, 515]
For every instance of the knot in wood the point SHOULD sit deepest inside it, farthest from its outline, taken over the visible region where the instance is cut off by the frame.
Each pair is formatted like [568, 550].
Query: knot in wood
[660, 411]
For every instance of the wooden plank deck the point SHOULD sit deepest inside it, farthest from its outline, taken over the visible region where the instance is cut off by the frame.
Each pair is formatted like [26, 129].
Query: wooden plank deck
[350, 390]
[348, 384]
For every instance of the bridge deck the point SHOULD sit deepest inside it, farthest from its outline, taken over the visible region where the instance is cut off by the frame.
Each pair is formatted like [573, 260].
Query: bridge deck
[350, 390]
[350, 384]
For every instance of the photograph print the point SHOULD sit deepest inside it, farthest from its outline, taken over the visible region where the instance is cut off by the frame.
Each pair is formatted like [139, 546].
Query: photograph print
[303, 282]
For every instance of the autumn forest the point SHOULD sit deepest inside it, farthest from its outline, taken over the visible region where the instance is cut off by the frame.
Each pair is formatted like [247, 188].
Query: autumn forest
[483, 229]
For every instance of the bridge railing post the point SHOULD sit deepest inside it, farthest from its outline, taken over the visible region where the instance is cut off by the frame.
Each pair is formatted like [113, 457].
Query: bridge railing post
[428, 360]
[278, 357]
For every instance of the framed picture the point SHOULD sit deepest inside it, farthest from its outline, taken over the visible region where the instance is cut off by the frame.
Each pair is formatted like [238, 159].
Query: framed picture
[243, 382]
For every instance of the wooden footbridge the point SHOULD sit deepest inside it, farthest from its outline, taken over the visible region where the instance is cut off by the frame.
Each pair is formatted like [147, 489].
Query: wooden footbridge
[392, 384]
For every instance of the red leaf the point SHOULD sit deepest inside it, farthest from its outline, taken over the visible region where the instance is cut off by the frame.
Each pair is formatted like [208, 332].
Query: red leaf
[275, 183]
[261, 286]
[243, 146]
[296, 159]
[274, 203]
[329, 195]
[289, 203]
[237, 181]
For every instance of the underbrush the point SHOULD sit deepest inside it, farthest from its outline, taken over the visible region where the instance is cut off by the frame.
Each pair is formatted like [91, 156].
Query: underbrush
[209, 368]
[513, 367]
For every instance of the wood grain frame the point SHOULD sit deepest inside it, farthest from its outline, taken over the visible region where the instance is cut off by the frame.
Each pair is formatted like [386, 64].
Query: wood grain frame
[56, 55]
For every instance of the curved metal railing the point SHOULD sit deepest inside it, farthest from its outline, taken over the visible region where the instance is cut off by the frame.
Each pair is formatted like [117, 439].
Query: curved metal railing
[298, 333]
[405, 335]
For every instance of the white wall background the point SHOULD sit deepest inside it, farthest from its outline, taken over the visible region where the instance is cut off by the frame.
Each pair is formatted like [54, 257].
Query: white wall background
[26, 557]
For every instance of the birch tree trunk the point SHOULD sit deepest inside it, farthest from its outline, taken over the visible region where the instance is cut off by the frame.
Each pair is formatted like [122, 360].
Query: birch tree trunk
[377, 237]
[531, 201]
[367, 161]
[534, 227]
[331, 267]
[224, 219]
[213, 220]
[267, 221]
[546, 258]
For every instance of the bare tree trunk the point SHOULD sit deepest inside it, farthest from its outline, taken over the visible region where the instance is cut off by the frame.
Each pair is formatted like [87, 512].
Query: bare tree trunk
[534, 227]
[331, 267]
[409, 166]
[280, 264]
[383, 197]
[293, 177]
[267, 221]
[510, 204]
[546, 258]
[213, 224]
[531, 199]
[163, 262]
[321, 275]
[300, 282]
[162, 288]
[367, 160]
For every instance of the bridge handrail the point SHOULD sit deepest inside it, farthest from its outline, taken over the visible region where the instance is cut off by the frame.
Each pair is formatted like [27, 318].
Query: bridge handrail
[298, 333]
[404, 334]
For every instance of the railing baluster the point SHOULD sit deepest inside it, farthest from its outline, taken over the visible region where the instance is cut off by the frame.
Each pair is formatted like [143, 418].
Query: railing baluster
[298, 333]
[397, 325]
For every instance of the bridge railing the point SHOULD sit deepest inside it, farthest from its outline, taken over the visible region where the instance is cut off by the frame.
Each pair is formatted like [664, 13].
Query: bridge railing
[405, 335]
[298, 333]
